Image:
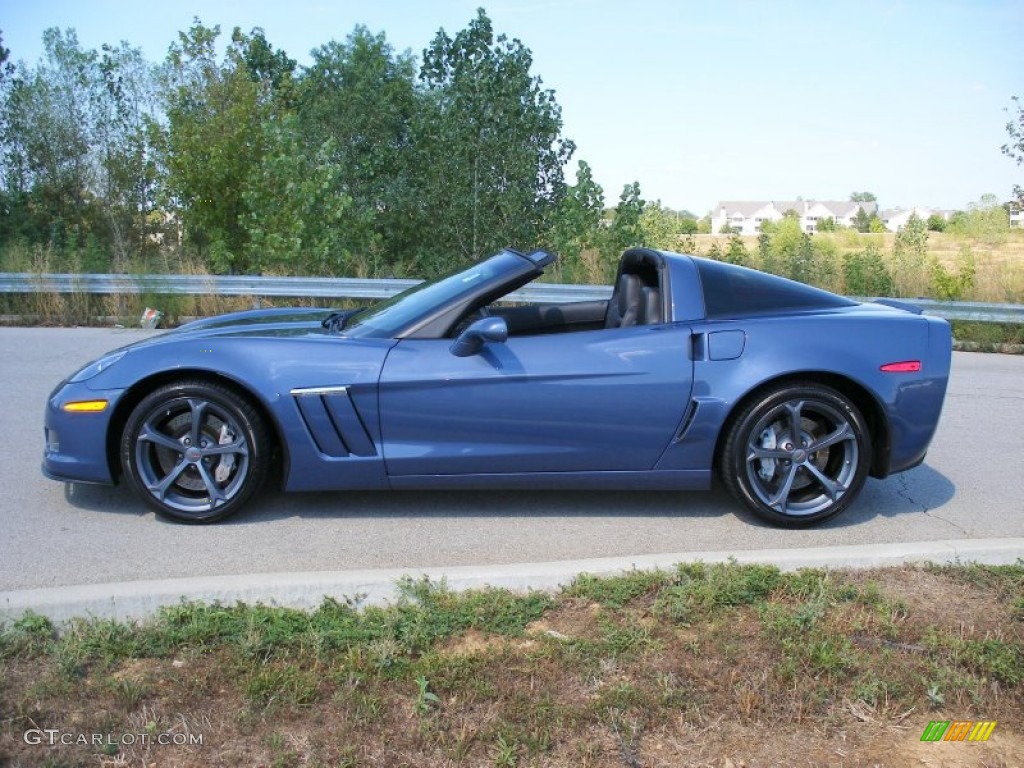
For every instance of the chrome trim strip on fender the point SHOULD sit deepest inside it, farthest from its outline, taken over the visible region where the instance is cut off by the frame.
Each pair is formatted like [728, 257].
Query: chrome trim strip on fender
[317, 391]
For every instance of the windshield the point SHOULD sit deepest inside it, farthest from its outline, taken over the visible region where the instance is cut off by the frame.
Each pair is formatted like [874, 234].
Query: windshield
[389, 317]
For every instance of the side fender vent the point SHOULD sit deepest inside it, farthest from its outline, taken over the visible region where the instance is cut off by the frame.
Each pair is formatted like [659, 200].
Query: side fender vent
[688, 419]
[333, 421]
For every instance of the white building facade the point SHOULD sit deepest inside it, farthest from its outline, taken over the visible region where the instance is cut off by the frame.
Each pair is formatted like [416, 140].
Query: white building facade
[746, 217]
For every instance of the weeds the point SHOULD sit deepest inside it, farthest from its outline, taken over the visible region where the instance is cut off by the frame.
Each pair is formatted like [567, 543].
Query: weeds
[609, 672]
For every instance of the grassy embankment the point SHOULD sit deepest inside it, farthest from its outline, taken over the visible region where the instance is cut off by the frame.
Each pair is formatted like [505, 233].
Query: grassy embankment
[706, 665]
[997, 263]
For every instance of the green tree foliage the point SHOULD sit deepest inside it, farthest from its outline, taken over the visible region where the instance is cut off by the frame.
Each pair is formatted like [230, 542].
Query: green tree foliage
[357, 104]
[788, 250]
[736, 252]
[626, 229]
[936, 223]
[863, 197]
[865, 273]
[825, 224]
[952, 286]
[861, 221]
[490, 155]
[214, 140]
[576, 225]
[1014, 148]
[77, 167]
[46, 163]
[295, 216]
[688, 225]
[985, 221]
[765, 254]
[659, 227]
[910, 268]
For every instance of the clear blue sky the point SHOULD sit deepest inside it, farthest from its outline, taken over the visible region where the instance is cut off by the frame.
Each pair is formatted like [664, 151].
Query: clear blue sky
[698, 101]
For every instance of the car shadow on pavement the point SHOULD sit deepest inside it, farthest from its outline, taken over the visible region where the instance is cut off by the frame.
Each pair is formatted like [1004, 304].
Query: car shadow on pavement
[118, 500]
[919, 490]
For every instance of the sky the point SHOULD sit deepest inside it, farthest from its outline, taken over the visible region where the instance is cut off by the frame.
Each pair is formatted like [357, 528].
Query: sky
[697, 101]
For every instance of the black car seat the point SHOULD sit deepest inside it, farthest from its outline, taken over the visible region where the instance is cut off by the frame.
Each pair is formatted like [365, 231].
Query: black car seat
[650, 306]
[624, 305]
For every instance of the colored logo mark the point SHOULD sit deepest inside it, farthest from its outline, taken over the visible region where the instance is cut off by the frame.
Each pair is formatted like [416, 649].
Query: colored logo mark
[958, 730]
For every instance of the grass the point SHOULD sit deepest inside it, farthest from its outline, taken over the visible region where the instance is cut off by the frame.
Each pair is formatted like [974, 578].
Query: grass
[703, 665]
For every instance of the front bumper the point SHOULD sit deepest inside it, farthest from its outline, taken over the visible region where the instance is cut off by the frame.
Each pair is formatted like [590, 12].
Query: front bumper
[76, 443]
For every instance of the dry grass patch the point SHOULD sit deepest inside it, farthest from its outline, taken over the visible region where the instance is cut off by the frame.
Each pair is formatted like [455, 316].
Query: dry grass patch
[705, 665]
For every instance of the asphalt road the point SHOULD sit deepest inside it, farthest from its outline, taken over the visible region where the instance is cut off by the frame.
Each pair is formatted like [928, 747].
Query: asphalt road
[971, 487]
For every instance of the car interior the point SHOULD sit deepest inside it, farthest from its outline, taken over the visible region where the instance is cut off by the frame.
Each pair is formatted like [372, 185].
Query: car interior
[636, 300]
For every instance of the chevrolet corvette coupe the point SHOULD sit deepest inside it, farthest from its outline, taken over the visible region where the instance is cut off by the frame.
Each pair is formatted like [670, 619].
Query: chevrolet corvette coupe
[693, 368]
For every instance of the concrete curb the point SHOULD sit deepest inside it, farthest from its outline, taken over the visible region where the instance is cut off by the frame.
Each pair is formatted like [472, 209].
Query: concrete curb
[140, 599]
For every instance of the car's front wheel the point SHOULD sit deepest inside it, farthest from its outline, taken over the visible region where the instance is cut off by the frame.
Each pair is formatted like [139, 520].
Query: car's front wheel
[797, 454]
[195, 451]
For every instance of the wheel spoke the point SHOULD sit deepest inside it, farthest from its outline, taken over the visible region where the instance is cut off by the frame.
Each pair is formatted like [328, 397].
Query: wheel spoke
[239, 446]
[779, 499]
[767, 453]
[795, 411]
[160, 489]
[842, 433]
[197, 409]
[152, 435]
[832, 488]
[216, 495]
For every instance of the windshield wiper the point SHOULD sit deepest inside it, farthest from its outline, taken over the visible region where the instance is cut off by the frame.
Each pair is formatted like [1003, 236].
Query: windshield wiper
[335, 321]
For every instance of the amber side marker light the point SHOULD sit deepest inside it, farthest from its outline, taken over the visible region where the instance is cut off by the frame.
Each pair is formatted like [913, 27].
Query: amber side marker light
[86, 406]
[907, 366]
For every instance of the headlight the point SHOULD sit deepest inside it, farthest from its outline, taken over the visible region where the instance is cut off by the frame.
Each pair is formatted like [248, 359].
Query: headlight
[96, 367]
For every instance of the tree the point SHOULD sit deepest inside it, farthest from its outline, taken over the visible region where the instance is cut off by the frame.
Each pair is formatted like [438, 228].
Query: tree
[296, 216]
[357, 104]
[660, 227]
[936, 223]
[865, 273]
[985, 220]
[577, 223]
[825, 224]
[1014, 148]
[863, 197]
[909, 259]
[214, 138]
[626, 229]
[6, 67]
[736, 252]
[46, 144]
[490, 151]
[688, 225]
[861, 221]
[77, 166]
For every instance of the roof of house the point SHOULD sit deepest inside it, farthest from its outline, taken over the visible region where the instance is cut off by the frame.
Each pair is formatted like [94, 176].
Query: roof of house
[748, 208]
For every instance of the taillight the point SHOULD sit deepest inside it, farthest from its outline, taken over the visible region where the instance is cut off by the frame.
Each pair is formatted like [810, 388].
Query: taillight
[906, 366]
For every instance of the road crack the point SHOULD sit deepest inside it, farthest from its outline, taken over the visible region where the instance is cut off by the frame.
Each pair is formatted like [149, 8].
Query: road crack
[903, 490]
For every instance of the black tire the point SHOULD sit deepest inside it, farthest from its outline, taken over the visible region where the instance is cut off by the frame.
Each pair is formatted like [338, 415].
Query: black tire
[796, 482]
[189, 483]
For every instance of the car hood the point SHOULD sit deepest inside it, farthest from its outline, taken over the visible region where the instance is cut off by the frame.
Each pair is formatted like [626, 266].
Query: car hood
[257, 322]
[264, 322]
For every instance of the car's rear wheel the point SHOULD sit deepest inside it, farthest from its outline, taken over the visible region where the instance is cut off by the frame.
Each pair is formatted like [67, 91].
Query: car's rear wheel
[195, 451]
[797, 454]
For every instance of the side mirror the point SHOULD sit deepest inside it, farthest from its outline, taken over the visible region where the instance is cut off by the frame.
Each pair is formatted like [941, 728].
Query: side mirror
[486, 330]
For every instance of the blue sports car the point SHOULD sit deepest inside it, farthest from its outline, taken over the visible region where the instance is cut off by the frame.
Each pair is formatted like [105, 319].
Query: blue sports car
[693, 368]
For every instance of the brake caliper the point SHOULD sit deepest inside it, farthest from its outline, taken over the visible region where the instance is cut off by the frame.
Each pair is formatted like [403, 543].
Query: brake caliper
[227, 460]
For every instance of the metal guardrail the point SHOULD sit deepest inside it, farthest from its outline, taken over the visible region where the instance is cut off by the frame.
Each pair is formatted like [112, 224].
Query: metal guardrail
[357, 288]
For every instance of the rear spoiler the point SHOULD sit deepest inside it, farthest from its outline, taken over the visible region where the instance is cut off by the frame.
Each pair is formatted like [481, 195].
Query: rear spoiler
[897, 304]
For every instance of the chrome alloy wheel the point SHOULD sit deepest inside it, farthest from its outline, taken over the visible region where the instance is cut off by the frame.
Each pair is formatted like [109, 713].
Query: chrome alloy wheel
[195, 451]
[802, 457]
